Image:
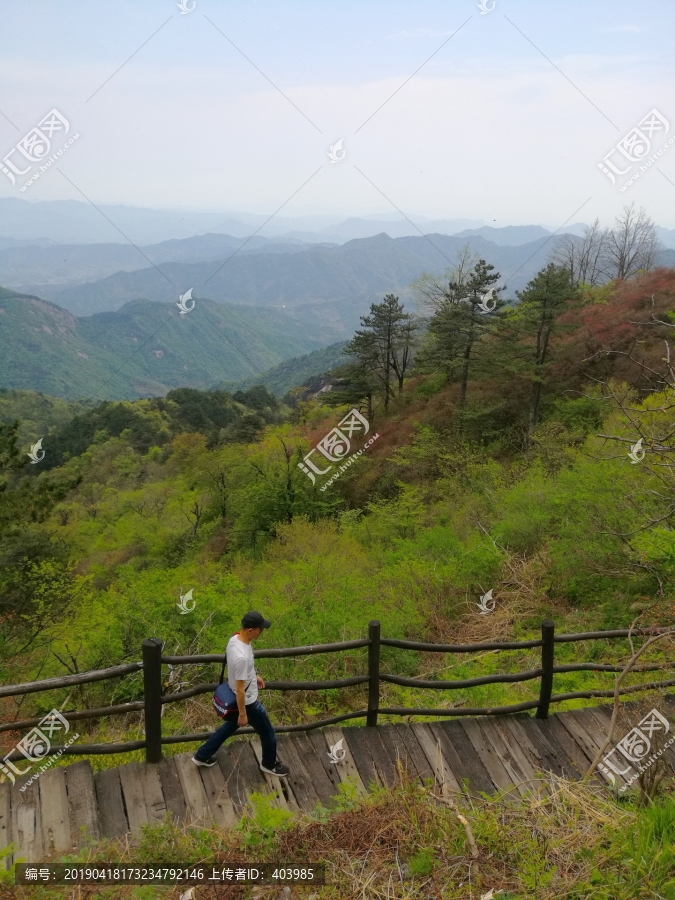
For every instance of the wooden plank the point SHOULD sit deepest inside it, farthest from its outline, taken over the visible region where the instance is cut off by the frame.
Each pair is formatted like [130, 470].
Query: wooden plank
[227, 756]
[598, 732]
[486, 752]
[299, 778]
[446, 748]
[399, 753]
[110, 804]
[171, 788]
[584, 741]
[196, 805]
[384, 764]
[55, 814]
[556, 733]
[431, 743]
[220, 804]
[285, 798]
[451, 782]
[550, 754]
[415, 753]
[235, 763]
[360, 752]
[448, 752]
[152, 792]
[5, 823]
[595, 735]
[317, 739]
[320, 781]
[346, 770]
[529, 740]
[26, 822]
[578, 734]
[601, 729]
[134, 801]
[512, 756]
[463, 759]
[84, 819]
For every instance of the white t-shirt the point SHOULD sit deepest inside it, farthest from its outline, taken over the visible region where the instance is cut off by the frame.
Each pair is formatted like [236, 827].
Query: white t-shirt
[241, 667]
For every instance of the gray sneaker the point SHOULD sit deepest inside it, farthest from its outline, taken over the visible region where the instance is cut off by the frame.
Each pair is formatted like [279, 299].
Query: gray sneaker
[280, 770]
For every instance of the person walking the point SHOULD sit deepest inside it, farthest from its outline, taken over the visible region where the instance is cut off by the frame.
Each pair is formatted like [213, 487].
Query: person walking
[242, 679]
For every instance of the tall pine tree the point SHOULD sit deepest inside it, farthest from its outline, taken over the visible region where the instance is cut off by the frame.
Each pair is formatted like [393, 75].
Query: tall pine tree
[460, 320]
[523, 344]
[382, 348]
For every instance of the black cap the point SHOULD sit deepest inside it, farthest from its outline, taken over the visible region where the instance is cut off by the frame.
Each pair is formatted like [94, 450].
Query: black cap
[254, 619]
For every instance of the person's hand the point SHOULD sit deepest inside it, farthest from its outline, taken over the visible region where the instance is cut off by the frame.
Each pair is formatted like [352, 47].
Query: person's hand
[261, 683]
[242, 721]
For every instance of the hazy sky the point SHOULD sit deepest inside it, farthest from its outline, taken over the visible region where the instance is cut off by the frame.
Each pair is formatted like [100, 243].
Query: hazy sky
[507, 122]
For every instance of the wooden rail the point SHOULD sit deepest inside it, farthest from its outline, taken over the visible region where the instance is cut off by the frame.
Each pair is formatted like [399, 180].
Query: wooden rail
[153, 700]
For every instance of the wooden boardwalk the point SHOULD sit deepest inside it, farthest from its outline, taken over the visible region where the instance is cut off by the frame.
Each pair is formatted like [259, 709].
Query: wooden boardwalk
[68, 806]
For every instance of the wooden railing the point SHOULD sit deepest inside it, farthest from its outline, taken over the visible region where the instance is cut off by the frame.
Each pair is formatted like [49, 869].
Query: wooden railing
[153, 700]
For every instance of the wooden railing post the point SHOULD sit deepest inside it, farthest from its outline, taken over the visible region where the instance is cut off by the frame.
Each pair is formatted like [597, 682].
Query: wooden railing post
[152, 688]
[373, 672]
[547, 651]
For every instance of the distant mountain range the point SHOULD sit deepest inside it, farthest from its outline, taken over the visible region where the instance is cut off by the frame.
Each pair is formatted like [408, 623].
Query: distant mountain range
[85, 309]
[76, 222]
[47, 268]
[325, 288]
[143, 349]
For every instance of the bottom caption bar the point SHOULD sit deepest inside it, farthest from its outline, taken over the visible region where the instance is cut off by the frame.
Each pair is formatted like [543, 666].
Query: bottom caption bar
[262, 873]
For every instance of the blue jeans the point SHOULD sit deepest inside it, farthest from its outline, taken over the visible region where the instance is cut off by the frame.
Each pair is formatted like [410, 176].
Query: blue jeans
[258, 720]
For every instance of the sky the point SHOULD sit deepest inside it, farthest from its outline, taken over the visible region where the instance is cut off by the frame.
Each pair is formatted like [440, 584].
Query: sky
[444, 111]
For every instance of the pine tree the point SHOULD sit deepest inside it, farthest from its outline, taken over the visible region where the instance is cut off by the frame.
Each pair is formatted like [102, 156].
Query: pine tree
[351, 385]
[383, 347]
[460, 320]
[522, 347]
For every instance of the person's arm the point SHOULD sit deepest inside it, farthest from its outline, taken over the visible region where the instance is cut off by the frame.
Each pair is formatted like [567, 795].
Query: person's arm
[240, 690]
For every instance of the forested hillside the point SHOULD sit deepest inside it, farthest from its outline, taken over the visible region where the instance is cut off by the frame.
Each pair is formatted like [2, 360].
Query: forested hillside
[293, 373]
[501, 463]
[511, 463]
[142, 349]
